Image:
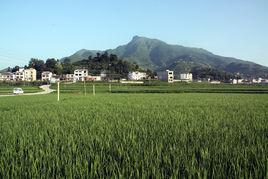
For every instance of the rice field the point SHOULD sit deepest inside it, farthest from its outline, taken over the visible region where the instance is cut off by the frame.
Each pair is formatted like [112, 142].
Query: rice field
[6, 89]
[160, 87]
[134, 135]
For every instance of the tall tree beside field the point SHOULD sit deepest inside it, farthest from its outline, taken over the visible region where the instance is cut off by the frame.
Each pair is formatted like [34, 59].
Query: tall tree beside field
[51, 64]
[67, 67]
[115, 67]
[16, 68]
[54, 66]
[38, 65]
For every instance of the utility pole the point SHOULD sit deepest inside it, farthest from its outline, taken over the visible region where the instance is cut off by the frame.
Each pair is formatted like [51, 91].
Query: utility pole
[85, 88]
[58, 91]
[93, 90]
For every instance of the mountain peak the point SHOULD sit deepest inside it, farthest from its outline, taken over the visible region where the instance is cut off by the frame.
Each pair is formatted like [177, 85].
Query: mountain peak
[136, 37]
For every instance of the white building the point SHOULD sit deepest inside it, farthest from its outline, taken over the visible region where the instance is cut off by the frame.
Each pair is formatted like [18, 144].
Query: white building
[254, 81]
[166, 76]
[70, 77]
[259, 80]
[7, 76]
[136, 75]
[19, 75]
[215, 82]
[103, 74]
[25, 74]
[30, 74]
[93, 78]
[187, 77]
[80, 74]
[46, 76]
[237, 81]
[55, 78]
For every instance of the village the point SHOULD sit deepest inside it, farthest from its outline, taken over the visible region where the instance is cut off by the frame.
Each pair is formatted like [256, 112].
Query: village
[83, 74]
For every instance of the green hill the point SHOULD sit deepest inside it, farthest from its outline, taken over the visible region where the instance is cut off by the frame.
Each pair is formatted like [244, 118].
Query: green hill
[158, 55]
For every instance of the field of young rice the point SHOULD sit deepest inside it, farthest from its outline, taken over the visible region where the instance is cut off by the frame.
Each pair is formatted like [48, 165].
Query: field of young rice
[160, 87]
[134, 135]
[7, 90]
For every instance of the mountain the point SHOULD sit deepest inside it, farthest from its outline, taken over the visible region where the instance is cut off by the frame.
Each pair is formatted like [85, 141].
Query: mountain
[82, 54]
[158, 55]
[4, 70]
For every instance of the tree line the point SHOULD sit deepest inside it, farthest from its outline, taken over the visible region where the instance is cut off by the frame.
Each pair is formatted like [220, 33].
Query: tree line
[114, 67]
[213, 74]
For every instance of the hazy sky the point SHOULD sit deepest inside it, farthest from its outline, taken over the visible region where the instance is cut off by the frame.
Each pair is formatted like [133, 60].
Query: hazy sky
[58, 28]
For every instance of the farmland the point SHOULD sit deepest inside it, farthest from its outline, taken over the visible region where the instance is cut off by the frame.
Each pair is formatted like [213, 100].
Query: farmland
[134, 134]
[7, 90]
[160, 87]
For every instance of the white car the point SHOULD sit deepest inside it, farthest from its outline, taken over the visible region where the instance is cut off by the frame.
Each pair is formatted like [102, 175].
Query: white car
[17, 91]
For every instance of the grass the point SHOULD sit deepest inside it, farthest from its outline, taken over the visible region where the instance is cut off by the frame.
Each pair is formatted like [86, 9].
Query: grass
[7, 90]
[134, 136]
[158, 87]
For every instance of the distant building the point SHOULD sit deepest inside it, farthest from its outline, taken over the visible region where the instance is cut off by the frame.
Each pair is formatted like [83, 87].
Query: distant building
[237, 81]
[187, 77]
[7, 76]
[93, 78]
[215, 82]
[80, 74]
[25, 74]
[136, 75]
[167, 76]
[254, 81]
[30, 74]
[46, 76]
[55, 78]
[70, 77]
[103, 74]
[20, 75]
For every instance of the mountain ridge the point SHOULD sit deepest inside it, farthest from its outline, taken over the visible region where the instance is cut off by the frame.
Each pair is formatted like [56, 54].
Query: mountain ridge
[158, 55]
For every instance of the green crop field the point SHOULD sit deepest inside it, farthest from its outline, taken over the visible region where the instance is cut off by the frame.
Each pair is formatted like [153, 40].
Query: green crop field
[160, 87]
[134, 135]
[7, 89]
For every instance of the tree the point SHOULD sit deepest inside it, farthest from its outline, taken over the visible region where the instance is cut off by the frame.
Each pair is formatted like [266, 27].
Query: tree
[115, 67]
[16, 68]
[51, 64]
[58, 68]
[38, 65]
[67, 66]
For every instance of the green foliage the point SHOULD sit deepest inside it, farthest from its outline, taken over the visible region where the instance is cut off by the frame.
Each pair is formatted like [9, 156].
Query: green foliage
[134, 136]
[114, 67]
[16, 68]
[7, 88]
[54, 66]
[67, 66]
[38, 65]
[212, 74]
[162, 87]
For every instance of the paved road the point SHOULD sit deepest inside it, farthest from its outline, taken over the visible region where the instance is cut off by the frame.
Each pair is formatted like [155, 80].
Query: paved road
[46, 90]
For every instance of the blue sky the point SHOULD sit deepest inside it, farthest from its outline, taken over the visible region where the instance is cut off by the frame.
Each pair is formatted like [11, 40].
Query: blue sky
[59, 28]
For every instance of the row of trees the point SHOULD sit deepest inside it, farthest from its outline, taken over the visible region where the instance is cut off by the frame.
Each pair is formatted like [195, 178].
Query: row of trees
[114, 67]
[213, 74]
[51, 64]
